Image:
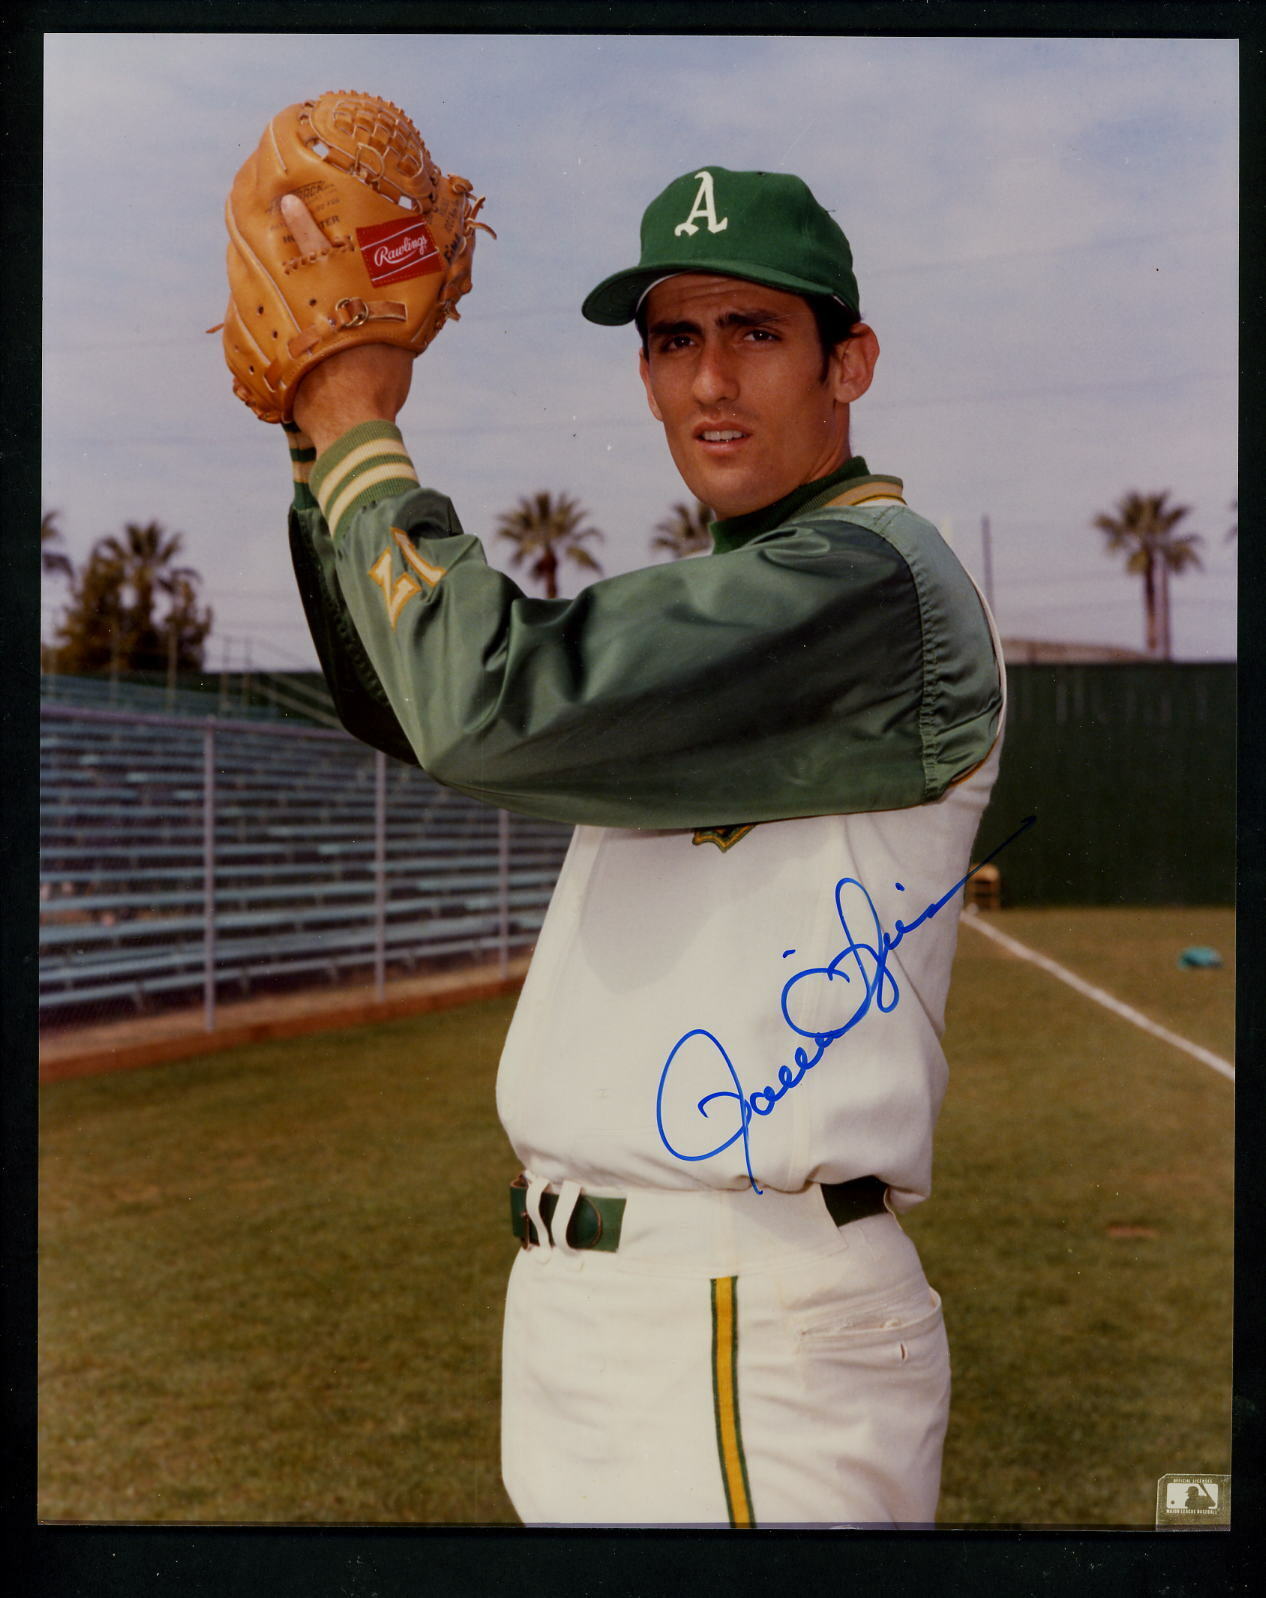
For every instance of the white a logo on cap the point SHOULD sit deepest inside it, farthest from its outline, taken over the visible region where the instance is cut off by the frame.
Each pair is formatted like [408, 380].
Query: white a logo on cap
[704, 206]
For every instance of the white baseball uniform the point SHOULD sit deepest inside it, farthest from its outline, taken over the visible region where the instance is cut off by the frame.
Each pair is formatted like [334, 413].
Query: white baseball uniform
[777, 758]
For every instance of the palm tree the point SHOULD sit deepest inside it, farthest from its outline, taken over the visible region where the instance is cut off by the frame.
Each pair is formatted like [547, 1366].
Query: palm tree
[545, 529]
[91, 635]
[145, 558]
[1142, 528]
[685, 530]
[186, 626]
[111, 624]
[55, 562]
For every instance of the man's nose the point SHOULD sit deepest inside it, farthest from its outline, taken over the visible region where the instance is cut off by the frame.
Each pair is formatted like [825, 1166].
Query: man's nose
[715, 376]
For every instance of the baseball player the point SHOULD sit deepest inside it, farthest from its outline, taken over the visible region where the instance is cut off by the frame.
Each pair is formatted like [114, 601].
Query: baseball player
[725, 1067]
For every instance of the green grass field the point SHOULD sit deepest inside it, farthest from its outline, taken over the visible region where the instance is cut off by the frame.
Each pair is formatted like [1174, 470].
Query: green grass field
[271, 1280]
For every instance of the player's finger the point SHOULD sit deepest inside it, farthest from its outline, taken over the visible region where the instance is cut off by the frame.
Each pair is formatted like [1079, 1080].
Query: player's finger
[308, 236]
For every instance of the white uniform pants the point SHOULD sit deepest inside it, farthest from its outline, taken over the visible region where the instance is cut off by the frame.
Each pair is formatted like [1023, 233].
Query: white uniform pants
[739, 1361]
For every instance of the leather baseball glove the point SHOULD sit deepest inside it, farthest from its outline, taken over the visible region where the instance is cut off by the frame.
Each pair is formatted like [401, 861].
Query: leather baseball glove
[386, 262]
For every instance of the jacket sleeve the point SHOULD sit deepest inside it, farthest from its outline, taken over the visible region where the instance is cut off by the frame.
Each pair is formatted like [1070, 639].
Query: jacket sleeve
[355, 686]
[785, 678]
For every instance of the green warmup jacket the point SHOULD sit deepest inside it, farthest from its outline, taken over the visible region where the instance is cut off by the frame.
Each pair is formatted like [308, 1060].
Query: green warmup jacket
[825, 659]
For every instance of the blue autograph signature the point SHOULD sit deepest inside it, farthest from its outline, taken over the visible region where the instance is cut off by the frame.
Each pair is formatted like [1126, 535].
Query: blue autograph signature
[867, 955]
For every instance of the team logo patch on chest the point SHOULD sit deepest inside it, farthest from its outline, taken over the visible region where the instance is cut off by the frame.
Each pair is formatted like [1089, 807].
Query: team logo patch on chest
[723, 837]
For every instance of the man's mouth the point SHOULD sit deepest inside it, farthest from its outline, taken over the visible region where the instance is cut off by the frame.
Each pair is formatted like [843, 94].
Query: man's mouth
[719, 437]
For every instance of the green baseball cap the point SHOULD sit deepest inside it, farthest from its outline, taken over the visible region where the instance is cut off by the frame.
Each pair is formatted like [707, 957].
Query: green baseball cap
[765, 227]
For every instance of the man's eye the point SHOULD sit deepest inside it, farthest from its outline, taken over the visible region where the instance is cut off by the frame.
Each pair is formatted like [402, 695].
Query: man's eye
[761, 335]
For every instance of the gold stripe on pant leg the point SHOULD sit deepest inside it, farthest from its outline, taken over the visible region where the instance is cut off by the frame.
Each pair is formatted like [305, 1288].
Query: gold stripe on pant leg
[738, 1497]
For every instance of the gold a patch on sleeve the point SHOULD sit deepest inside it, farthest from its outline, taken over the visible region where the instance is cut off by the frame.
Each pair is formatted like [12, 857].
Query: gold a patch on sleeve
[723, 837]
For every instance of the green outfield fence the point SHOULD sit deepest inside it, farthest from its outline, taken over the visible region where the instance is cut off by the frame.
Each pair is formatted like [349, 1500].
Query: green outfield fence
[1130, 769]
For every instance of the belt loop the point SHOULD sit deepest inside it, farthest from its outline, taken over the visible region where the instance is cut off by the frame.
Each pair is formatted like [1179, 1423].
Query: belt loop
[568, 1196]
[536, 1187]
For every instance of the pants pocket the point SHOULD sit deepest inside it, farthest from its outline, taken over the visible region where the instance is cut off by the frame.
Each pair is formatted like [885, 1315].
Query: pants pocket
[876, 1369]
[866, 1328]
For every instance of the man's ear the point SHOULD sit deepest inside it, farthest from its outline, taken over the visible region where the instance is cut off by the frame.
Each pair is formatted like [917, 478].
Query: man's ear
[853, 364]
[644, 372]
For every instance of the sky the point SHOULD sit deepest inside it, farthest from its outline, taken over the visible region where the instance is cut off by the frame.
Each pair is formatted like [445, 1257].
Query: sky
[1045, 235]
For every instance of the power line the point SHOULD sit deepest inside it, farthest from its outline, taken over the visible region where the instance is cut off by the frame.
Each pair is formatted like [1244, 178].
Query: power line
[996, 395]
[575, 425]
[1041, 580]
[1082, 246]
[1032, 606]
[881, 271]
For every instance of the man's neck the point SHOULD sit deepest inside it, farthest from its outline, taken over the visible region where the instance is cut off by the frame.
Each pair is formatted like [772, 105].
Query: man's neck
[732, 532]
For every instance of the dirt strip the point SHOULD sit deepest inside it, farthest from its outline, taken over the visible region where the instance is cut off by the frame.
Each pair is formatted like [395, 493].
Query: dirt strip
[180, 1034]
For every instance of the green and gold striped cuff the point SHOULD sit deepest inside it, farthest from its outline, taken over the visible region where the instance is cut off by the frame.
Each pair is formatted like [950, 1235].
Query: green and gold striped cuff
[368, 463]
[302, 455]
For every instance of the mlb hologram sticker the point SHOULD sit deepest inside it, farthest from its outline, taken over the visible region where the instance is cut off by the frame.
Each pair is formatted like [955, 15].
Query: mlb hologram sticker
[1190, 1498]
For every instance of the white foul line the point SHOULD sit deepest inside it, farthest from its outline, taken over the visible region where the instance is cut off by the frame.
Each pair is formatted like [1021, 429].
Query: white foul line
[1205, 1056]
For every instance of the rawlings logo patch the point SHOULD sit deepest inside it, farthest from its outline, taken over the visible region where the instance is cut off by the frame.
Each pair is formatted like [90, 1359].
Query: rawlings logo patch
[394, 251]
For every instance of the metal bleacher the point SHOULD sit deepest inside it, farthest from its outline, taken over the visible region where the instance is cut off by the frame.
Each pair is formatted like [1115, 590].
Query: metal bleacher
[186, 854]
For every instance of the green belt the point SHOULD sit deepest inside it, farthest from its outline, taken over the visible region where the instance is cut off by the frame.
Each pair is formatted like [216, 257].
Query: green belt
[595, 1222]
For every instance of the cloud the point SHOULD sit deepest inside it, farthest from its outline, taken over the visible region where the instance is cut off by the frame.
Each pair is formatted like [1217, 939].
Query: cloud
[1044, 232]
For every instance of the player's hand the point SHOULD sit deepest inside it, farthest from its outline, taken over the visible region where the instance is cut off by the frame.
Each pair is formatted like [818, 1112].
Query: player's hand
[367, 384]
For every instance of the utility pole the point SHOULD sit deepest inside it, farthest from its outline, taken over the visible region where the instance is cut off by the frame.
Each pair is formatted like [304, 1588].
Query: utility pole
[987, 542]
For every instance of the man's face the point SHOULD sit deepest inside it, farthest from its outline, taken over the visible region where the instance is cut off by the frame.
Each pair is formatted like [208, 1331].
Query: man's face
[734, 372]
